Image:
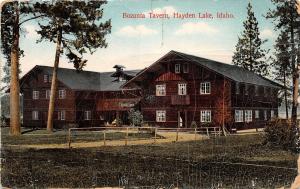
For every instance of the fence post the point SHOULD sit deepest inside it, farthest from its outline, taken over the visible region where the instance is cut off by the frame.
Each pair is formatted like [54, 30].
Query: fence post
[215, 131]
[104, 137]
[195, 133]
[126, 138]
[207, 131]
[155, 133]
[69, 138]
[176, 134]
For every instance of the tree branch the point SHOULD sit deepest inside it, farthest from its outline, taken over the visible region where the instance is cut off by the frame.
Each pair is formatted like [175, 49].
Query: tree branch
[31, 19]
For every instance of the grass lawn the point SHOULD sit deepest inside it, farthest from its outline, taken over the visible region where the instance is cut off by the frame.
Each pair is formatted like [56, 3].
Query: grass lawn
[195, 164]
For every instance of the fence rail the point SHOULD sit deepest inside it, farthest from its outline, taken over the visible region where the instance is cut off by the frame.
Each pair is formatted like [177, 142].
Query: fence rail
[209, 131]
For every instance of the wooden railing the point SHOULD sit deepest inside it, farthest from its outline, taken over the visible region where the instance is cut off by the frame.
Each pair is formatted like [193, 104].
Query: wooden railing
[180, 99]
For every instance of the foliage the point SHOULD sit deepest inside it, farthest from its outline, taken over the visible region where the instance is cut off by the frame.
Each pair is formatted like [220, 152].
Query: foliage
[193, 124]
[135, 117]
[280, 133]
[80, 26]
[249, 53]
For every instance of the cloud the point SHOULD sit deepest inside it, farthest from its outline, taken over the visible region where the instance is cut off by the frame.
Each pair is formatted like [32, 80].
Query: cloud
[167, 9]
[267, 33]
[30, 31]
[195, 28]
[134, 31]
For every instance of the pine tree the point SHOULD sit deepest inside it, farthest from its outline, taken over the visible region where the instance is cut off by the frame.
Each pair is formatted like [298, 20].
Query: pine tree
[10, 35]
[286, 17]
[249, 53]
[75, 27]
[282, 66]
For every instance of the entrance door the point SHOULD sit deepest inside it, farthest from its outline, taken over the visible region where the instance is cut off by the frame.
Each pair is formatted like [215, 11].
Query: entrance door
[182, 119]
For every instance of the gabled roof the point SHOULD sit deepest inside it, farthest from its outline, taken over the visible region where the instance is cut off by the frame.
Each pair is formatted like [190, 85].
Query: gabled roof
[86, 80]
[229, 71]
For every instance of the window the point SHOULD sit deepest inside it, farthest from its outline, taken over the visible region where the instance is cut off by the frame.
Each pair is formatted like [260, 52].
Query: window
[265, 115]
[185, 68]
[62, 115]
[62, 94]
[182, 89]
[256, 90]
[248, 115]
[206, 116]
[46, 78]
[87, 115]
[256, 114]
[239, 116]
[35, 115]
[35, 95]
[177, 68]
[272, 114]
[237, 88]
[205, 88]
[48, 94]
[246, 89]
[160, 116]
[161, 90]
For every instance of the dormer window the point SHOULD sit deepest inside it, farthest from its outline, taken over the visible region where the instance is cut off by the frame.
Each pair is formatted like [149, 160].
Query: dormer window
[185, 68]
[62, 94]
[177, 68]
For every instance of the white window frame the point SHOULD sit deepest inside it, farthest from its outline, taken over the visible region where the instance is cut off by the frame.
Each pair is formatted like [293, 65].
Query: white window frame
[265, 115]
[62, 115]
[62, 94]
[248, 116]
[177, 68]
[48, 94]
[185, 68]
[161, 90]
[256, 114]
[35, 95]
[161, 116]
[239, 116]
[205, 88]
[87, 115]
[182, 88]
[46, 78]
[205, 116]
[35, 115]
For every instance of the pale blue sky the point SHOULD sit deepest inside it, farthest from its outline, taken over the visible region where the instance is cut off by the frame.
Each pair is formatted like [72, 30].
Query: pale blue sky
[137, 43]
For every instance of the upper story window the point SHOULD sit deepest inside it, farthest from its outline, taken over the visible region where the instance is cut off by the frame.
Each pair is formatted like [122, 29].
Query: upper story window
[47, 78]
[48, 94]
[205, 88]
[256, 90]
[35, 115]
[161, 90]
[181, 88]
[62, 94]
[185, 68]
[177, 68]
[246, 89]
[248, 115]
[62, 115]
[237, 88]
[205, 116]
[87, 115]
[160, 116]
[239, 117]
[35, 95]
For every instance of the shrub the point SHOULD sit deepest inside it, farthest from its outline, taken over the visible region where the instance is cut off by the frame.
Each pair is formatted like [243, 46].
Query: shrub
[135, 117]
[194, 124]
[280, 133]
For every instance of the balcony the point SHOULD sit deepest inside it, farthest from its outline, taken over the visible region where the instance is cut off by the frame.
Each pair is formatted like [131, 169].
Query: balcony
[180, 100]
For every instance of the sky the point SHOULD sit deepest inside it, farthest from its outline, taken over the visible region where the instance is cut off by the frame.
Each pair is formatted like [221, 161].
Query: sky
[137, 43]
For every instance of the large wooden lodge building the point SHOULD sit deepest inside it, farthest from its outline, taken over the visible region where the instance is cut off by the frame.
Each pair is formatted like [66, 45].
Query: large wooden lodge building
[175, 91]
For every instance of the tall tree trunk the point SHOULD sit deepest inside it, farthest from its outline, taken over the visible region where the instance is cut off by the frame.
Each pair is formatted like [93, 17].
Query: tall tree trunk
[285, 96]
[295, 77]
[54, 81]
[14, 78]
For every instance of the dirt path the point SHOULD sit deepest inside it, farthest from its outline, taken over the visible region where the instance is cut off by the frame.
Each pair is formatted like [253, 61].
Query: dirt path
[168, 138]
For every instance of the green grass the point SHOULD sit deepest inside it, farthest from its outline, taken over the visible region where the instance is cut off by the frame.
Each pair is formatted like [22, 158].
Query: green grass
[181, 163]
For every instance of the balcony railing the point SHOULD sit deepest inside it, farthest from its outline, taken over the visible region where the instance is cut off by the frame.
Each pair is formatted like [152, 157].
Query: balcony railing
[180, 99]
